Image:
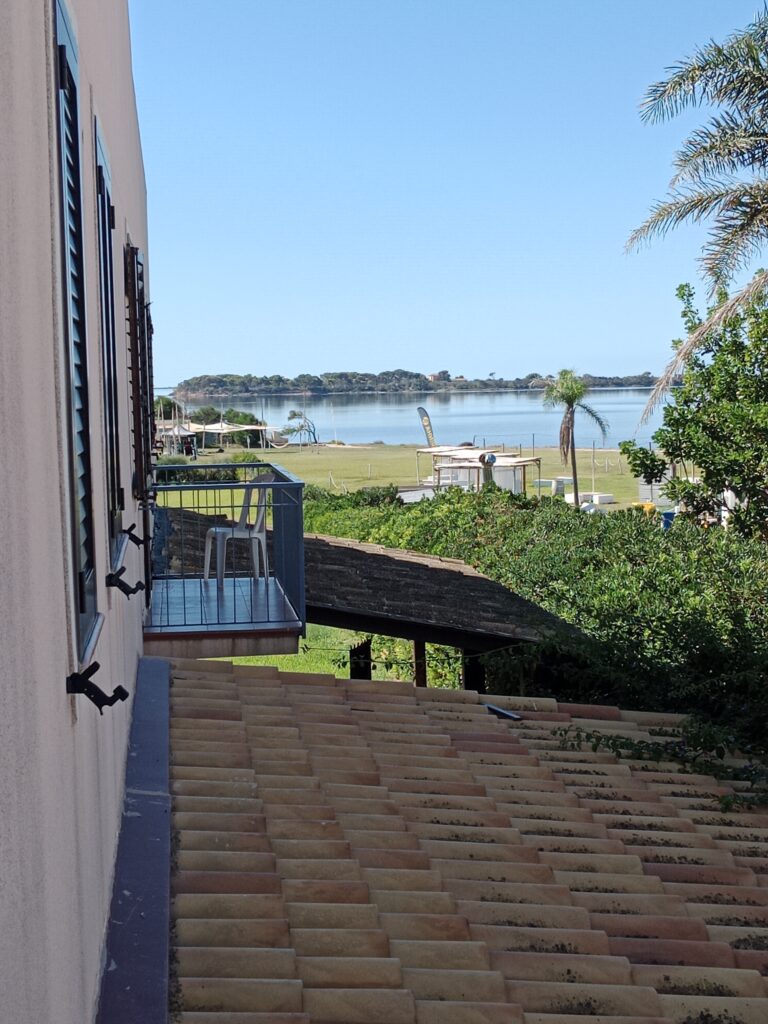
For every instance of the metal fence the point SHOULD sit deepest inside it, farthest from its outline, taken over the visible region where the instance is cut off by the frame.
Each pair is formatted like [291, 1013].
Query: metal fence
[228, 548]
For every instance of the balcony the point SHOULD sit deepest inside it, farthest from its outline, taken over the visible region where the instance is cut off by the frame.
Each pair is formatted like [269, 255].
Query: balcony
[227, 561]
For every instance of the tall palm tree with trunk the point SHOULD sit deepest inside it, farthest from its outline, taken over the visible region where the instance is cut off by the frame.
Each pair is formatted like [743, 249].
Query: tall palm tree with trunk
[568, 390]
[721, 170]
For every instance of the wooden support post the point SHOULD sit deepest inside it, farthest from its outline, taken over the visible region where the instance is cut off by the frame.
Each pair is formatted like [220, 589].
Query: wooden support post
[419, 663]
[472, 671]
[360, 660]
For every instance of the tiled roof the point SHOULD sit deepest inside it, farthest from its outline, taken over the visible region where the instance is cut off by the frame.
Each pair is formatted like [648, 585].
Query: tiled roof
[376, 853]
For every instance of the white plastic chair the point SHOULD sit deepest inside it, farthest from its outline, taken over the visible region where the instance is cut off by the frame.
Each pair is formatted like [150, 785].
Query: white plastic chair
[255, 532]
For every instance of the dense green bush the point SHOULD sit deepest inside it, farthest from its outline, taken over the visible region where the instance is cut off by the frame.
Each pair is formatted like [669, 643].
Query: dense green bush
[170, 470]
[674, 619]
[366, 497]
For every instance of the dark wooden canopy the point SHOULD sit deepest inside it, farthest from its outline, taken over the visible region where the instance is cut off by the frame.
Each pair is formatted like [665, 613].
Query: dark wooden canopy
[418, 597]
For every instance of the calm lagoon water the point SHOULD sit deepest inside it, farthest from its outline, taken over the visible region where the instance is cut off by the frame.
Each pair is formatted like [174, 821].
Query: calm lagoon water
[509, 417]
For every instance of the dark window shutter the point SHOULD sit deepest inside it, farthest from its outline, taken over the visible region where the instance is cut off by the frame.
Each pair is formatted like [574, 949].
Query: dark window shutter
[75, 326]
[142, 402]
[140, 347]
[105, 217]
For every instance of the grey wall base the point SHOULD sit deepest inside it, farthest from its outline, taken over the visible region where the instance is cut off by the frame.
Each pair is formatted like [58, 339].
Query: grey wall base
[134, 985]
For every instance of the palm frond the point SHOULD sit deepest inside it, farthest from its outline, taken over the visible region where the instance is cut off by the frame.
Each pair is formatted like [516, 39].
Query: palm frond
[566, 389]
[732, 73]
[694, 202]
[728, 144]
[738, 234]
[595, 416]
[696, 339]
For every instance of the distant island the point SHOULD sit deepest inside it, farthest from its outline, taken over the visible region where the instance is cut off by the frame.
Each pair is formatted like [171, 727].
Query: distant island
[389, 382]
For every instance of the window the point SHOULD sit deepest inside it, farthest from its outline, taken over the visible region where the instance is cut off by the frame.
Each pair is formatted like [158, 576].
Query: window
[106, 224]
[142, 406]
[75, 329]
[140, 347]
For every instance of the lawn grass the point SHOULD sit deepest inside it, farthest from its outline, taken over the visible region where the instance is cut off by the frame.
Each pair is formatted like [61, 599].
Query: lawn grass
[347, 467]
[326, 650]
[319, 652]
[322, 651]
[611, 472]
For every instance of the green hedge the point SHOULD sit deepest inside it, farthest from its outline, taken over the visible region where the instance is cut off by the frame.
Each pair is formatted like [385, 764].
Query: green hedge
[674, 620]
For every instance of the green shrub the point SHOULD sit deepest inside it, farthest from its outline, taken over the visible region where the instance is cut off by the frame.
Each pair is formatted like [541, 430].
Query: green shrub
[672, 620]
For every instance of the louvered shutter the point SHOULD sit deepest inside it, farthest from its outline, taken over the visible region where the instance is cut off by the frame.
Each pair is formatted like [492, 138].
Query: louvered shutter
[75, 326]
[142, 402]
[105, 224]
[140, 346]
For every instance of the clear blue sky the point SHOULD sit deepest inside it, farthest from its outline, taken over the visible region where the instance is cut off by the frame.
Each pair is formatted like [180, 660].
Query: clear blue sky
[425, 184]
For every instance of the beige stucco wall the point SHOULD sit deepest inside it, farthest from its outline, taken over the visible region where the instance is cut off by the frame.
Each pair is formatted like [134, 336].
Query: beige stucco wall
[61, 765]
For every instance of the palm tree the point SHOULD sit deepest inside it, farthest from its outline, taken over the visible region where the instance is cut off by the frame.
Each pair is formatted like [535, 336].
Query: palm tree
[569, 390]
[721, 169]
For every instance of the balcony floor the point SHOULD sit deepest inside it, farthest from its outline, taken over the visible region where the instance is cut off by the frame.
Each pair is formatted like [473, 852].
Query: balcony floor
[242, 604]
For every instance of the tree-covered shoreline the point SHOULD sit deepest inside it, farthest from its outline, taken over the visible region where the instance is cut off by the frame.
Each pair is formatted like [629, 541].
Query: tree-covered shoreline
[387, 382]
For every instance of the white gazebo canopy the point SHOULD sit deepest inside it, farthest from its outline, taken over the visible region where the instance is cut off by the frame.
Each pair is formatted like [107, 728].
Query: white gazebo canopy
[176, 431]
[224, 427]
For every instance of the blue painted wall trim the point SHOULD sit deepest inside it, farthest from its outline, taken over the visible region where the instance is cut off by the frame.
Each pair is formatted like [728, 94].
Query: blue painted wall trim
[134, 986]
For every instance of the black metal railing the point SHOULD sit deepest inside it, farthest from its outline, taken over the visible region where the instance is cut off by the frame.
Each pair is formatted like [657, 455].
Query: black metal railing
[227, 549]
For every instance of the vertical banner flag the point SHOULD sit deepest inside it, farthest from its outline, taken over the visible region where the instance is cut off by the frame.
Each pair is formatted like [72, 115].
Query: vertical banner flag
[427, 424]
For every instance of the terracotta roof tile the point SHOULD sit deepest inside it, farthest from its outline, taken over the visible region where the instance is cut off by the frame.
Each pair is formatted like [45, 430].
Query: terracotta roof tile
[711, 981]
[372, 1005]
[743, 1009]
[752, 959]
[564, 967]
[243, 1018]
[229, 931]
[673, 951]
[580, 997]
[446, 1012]
[365, 853]
[589, 1018]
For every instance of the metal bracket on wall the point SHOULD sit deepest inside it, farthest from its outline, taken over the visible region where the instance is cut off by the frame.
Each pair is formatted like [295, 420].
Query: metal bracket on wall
[114, 580]
[80, 682]
[138, 541]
